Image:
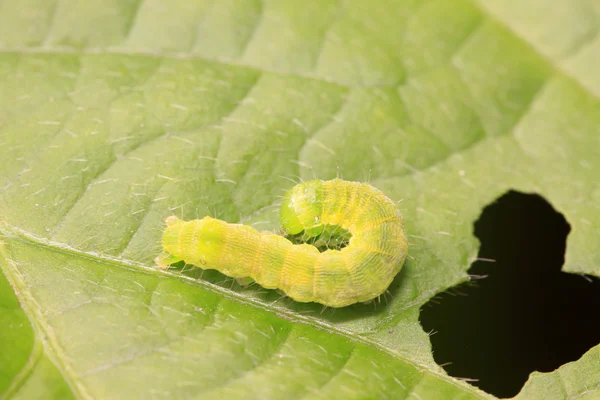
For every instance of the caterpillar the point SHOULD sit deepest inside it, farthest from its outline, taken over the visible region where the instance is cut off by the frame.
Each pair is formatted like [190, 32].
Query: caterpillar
[358, 272]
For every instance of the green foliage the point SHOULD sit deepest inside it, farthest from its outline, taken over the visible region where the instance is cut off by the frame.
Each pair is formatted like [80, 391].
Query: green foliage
[115, 114]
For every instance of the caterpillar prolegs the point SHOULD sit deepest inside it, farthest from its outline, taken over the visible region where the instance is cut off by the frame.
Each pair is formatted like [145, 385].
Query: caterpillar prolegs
[359, 272]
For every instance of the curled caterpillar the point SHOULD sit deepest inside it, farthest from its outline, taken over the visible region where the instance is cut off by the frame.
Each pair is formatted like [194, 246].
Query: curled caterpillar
[359, 272]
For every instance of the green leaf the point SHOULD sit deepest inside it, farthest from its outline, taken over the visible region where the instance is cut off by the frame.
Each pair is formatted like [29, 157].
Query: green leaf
[115, 114]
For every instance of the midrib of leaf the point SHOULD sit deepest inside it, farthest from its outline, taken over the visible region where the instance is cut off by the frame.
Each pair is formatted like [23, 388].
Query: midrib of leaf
[65, 50]
[45, 333]
[478, 4]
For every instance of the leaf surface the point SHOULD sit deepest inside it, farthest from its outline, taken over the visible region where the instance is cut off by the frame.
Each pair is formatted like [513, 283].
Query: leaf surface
[116, 114]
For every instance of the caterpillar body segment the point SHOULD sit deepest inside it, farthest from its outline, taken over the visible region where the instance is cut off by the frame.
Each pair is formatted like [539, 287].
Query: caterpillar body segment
[358, 272]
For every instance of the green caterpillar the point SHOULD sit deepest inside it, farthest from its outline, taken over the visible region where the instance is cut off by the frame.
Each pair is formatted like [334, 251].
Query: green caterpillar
[359, 272]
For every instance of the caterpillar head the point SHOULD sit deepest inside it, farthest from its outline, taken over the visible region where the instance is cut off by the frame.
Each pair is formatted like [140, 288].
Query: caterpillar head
[170, 242]
[301, 209]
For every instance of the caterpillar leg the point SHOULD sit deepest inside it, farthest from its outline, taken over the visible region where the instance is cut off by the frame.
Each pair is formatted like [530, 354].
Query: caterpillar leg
[374, 301]
[244, 282]
[170, 236]
[165, 259]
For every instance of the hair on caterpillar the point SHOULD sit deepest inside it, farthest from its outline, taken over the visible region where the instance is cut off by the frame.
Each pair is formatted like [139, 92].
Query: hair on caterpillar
[354, 228]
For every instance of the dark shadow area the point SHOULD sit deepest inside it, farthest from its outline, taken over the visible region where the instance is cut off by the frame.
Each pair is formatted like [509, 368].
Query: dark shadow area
[526, 315]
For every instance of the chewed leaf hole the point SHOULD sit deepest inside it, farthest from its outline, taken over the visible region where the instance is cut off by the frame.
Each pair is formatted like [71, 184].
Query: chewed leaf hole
[331, 237]
[520, 313]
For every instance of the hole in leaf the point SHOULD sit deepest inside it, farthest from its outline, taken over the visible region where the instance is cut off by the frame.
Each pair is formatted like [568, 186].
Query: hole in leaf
[526, 315]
